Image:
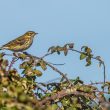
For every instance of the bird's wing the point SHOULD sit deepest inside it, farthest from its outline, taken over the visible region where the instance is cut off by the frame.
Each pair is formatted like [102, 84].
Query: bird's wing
[17, 41]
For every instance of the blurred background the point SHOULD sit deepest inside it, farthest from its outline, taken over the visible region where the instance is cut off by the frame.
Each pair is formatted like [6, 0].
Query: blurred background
[83, 22]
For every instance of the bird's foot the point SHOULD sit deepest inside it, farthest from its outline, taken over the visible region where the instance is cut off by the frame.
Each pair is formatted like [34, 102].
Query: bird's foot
[26, 53]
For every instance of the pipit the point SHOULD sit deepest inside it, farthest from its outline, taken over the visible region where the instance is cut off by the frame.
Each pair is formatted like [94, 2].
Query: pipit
[21, 43]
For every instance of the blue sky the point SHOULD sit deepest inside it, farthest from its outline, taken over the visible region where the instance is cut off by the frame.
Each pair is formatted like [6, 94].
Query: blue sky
[84, 22]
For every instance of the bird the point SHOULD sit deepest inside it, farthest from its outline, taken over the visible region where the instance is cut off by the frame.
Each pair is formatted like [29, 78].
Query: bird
[21, 43]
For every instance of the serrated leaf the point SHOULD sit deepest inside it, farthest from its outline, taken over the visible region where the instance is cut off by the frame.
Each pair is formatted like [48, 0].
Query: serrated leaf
[51, 48]
[82, 56]
[22, 56]
[28, 71]
[37, 73]
[43, 65]
[23, 65]
[65, 51]
[88, 50]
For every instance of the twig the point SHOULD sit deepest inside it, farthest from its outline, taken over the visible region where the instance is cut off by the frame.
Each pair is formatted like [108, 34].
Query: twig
[47, 54]
[55, 69]
[52, 80]
[41, 89]
[51, 66]
[100, 92]
[58, 71]
[57, 64]
[80, 52]
[104, 72]
[14, 59]
[95, 58]
[95, 83]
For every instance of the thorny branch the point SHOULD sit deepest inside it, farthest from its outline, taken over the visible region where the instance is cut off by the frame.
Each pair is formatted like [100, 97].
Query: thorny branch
[37, 59]
[62, 74]
[98, 58]
[68, 92]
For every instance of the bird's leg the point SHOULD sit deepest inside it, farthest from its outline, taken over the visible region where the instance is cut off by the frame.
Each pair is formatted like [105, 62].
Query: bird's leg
[26, 53]
[29, 55]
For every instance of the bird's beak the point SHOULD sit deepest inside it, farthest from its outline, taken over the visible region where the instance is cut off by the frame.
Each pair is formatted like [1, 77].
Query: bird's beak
[36, 33]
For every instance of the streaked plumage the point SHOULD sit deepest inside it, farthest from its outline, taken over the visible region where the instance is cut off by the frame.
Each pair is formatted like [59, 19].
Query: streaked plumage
[21, 43]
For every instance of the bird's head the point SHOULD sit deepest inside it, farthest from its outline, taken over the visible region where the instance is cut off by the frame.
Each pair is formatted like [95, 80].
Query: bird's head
[31, 33]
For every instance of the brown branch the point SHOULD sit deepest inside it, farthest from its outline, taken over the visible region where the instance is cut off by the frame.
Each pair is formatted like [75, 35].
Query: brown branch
[96, 83]
[57, 64]
[104, 72]
[64, 93]
[95, 58]
[37, 59]
[47, 54]
[58, 71]
[72, 91]
[80, 52]
[101, 92]
[55, 69]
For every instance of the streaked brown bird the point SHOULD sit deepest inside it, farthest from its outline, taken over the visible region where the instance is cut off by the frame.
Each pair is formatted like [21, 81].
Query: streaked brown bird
[21, 43]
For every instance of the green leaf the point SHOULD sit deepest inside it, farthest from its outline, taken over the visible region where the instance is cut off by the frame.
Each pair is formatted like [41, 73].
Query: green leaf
[40, 95]
[1, 55]
[65, 51]
[88, 50]
[37, 72]
[22, 56]
[43, 65]
[51, 48]
[23, 65]
[54, 107]
[82, 56]
[88, 63]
